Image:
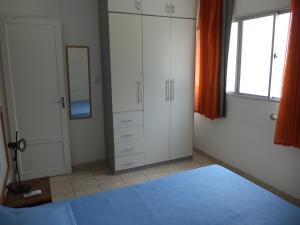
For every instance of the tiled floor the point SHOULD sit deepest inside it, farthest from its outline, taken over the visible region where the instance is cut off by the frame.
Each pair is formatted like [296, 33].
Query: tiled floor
[97, 177]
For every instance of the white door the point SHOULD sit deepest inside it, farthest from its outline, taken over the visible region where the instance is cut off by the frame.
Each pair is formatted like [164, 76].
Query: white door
[126, 6]
[184, 8]
[156, 7]
[156, 66]
[32, 55]
[126, 61]
[182, 72]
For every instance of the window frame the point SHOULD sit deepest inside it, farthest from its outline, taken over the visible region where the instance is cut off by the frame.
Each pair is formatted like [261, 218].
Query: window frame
[240, 23]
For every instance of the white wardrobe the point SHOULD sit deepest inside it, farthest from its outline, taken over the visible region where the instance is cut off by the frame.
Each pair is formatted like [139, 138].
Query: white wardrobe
[147, 51]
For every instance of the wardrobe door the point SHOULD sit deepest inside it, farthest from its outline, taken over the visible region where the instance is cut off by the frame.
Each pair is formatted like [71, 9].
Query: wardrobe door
[183, 8]
[156, 68]
[182, 87]
[126, 6]
[126, 61]
[156, 7]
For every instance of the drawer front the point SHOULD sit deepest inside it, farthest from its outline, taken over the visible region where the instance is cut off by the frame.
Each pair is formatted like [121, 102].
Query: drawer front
[128, 133]
[128, 119]
[129, 147]
[131, 161]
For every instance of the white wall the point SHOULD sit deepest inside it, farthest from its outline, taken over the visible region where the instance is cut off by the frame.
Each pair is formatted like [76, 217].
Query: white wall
[80, 26]
[245, 137]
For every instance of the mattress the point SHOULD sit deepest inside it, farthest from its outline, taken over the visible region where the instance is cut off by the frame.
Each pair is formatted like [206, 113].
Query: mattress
[210, 195]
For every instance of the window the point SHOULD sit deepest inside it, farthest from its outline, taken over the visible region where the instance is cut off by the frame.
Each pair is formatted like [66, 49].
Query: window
[256, 56]
[231, 67]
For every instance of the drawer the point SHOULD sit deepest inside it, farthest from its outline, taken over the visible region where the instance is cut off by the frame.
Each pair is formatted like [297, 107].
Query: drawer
[128, 119]
[129, 147]
[131, 161]
[128, 133]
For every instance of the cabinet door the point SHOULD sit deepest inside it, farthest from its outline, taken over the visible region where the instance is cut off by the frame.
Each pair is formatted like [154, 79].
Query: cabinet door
[156, 7]
[127, 6]
[182, 72]
[126, 61]
[183, 8]
[156, 66]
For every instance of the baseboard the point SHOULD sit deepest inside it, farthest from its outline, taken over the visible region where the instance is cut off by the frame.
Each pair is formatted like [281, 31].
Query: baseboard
[264, 185]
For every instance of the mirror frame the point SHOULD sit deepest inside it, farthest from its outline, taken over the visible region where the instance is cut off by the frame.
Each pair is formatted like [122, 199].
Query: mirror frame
[89, 78]
[4, 187]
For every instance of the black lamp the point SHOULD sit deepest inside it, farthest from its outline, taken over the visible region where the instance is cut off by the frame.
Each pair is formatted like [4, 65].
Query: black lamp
[18, 145]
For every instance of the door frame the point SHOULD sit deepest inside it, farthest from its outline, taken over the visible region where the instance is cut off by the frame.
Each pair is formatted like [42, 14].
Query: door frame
[9, 90]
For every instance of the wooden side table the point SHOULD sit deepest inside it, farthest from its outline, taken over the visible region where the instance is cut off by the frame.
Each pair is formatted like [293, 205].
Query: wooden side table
[18, 201]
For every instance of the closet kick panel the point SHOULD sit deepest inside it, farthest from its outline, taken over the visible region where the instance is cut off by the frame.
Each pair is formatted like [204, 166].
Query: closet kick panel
[148, 74]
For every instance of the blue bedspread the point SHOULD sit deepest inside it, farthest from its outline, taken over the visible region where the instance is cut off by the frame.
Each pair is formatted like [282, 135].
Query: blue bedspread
[211, 195]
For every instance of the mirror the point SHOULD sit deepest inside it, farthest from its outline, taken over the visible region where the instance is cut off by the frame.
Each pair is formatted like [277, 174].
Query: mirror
[78, 67]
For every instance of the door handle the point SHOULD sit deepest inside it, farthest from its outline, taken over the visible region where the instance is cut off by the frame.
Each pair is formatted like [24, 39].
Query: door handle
[62, 102]
[167, 90]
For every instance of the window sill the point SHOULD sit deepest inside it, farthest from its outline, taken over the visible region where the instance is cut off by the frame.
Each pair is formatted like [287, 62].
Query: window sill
[253, 97]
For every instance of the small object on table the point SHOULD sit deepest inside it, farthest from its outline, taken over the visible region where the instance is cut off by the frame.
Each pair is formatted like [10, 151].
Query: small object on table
[31, 194]
[17, 200]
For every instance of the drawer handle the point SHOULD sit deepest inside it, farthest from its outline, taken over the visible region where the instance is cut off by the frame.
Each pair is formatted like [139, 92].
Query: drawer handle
[129, 163]
[127, 135]
[126, 121]
[127, 149]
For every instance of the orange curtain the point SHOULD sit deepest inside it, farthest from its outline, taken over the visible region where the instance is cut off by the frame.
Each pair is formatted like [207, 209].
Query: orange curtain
[288, 123]
[208, 58]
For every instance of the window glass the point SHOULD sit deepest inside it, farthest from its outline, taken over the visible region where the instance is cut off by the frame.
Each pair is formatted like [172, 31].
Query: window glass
[256, 56]
[231, 66]
[281, 39]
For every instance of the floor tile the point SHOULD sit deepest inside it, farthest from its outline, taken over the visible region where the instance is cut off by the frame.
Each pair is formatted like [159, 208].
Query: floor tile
[108, 179]
[84, 184]
[60, 197]
[158, 175]
[81, 173]
[61, 188]
[63, 178]
[95, 177]
[137, 179]
[89, 191]
[112, 186]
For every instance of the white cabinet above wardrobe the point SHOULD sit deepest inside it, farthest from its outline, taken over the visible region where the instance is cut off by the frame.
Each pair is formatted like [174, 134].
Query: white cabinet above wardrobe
[125, 6]
[148, 80]
[173, 8]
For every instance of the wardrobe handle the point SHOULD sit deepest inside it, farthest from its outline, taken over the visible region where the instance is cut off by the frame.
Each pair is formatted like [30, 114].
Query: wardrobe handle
[127, 135]
[137, 4]
[127, 149]
[167, 8]
[172, 90]
[167, 90]
[173, 9]
[140, 92]
[125, 121]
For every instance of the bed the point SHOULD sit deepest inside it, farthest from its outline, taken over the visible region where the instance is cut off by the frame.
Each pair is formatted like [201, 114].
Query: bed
[210, 195]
